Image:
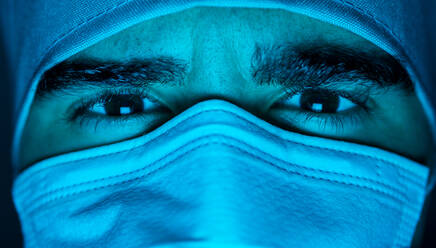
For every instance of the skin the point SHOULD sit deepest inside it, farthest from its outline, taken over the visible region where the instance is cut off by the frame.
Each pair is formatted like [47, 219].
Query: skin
[218, 43]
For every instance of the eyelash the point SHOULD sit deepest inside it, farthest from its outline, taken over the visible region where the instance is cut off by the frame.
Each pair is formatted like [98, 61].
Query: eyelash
[359, 98]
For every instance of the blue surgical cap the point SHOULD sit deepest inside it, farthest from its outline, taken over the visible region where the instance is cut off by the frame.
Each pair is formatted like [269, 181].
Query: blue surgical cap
[41, 33]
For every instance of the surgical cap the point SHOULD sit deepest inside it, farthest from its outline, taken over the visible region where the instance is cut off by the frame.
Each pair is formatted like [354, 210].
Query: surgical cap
[41, 33]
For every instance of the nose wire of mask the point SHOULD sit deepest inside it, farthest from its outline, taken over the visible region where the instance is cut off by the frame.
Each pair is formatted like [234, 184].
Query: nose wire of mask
[218, 176]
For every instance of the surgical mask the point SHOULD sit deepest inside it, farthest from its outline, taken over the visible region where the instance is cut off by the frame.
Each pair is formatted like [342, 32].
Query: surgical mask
[218, 176]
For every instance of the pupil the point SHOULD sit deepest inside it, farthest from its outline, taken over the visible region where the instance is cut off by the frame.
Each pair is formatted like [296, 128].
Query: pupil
[319, 101]
[124, 105]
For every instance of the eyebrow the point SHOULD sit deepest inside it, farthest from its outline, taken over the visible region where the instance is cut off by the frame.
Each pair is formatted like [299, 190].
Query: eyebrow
[321, 65]
[283, 64]
[88, 73]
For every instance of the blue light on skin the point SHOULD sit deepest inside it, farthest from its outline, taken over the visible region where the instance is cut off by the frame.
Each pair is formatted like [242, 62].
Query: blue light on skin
[218, 44]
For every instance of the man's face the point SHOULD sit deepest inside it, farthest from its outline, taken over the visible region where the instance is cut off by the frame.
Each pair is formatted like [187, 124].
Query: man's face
[293, 71]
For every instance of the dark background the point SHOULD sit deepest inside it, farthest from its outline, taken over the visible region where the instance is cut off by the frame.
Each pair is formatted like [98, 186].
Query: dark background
[10, 233]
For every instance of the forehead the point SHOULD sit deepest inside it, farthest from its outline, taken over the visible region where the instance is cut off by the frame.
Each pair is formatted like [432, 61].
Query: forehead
[212, 29]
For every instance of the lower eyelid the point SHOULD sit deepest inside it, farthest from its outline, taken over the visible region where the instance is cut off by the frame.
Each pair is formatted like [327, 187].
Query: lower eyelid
[319, 124]
[137, 123]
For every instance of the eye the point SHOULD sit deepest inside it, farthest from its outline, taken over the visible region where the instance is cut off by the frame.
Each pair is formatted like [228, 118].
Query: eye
[317, 101]
[122, 105]
[124, 111]
[320, 111]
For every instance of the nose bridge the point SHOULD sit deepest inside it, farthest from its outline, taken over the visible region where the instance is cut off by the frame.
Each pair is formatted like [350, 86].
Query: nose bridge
[216, 71]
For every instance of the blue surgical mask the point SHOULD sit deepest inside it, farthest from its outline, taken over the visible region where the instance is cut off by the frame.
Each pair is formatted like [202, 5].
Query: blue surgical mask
[218, 176]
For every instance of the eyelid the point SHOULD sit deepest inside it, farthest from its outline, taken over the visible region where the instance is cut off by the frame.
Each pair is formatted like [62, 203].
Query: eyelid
[357, 96]
[80, 107]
